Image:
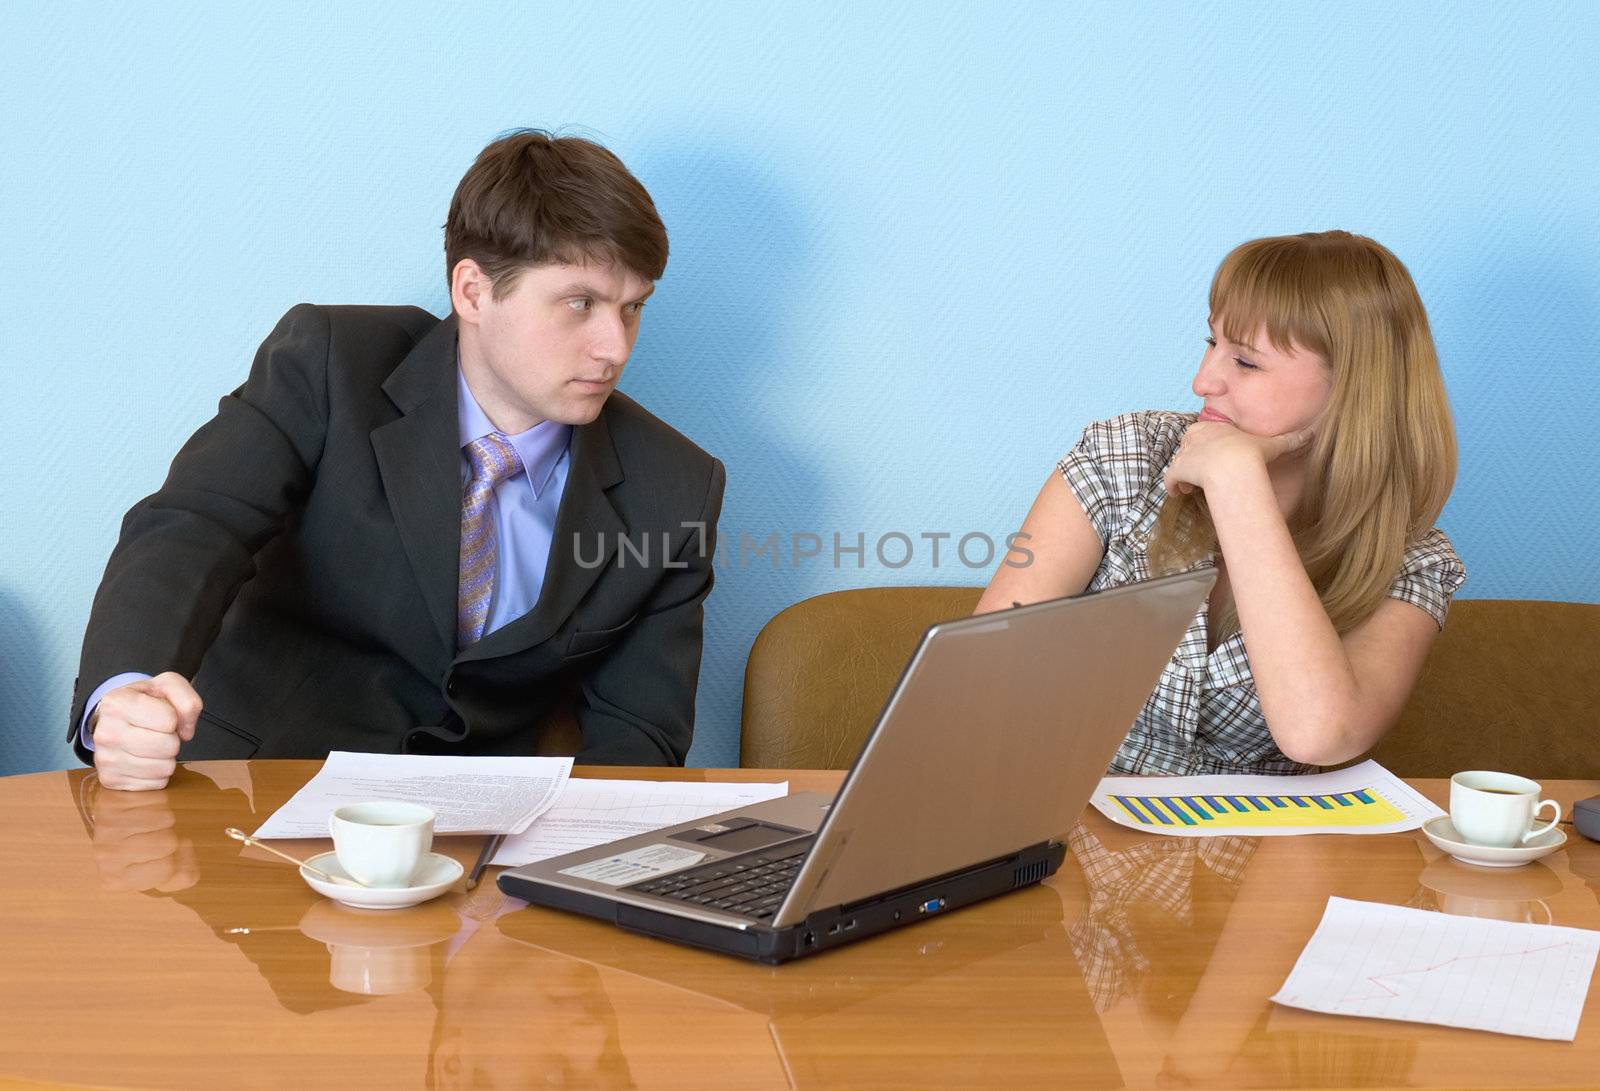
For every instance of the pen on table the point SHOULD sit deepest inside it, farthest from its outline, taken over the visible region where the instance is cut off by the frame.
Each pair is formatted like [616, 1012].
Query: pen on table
[491, 845]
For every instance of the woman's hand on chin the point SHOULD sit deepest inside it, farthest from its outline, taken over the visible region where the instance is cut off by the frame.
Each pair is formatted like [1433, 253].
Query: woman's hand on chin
[1212, 452]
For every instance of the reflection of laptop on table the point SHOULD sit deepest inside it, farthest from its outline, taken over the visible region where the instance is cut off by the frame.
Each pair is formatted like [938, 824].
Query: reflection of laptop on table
[982, 759]
[931, 991]
[801, 992]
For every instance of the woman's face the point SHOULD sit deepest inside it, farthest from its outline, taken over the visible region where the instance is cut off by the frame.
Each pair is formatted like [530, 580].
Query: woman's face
[1258, 388]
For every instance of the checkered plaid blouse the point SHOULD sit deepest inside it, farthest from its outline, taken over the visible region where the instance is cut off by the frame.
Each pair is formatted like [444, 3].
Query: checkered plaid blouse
[1204, 715]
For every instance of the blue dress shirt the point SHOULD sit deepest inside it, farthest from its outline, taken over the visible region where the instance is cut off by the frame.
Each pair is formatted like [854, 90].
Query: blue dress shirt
[525, 505]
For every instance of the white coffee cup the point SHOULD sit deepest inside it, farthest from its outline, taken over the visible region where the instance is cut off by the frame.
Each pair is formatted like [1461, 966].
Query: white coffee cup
[381, 843]
[1498, 808]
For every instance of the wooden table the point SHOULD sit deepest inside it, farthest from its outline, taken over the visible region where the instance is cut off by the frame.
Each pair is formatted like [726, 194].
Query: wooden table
[139, 947]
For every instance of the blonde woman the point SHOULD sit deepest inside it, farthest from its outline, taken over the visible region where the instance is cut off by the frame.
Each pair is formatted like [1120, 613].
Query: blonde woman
[1310, 480]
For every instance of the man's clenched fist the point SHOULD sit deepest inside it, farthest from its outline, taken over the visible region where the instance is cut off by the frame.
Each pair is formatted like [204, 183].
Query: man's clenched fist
[137, 729]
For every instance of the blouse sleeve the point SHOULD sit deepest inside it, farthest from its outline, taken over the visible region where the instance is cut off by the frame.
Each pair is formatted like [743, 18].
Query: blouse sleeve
[1430, 574]
[1112, 465]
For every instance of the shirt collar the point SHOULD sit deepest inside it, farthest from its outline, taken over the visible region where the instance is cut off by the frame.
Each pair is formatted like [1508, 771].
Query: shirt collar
[540, 447]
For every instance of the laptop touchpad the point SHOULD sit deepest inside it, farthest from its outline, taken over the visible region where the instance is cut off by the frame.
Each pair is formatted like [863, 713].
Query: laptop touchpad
[737, 835]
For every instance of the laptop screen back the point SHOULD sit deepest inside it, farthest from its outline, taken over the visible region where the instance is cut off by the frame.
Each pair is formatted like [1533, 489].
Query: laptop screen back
[1000, 728]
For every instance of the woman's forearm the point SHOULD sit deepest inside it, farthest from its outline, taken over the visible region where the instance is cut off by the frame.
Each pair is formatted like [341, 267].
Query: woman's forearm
[1309, 692]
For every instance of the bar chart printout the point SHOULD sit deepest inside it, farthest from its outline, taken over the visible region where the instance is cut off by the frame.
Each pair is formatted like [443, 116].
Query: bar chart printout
[1365, 798]
[1393, 962]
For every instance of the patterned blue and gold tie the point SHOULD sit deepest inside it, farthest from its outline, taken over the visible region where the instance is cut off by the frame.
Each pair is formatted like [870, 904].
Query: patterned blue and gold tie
[493, 459]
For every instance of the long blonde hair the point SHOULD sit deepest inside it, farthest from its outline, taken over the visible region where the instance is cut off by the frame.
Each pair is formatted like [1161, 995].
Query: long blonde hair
[1384, 458]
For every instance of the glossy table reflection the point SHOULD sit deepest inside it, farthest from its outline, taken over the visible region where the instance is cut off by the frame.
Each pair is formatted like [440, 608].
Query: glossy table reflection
[142, 948]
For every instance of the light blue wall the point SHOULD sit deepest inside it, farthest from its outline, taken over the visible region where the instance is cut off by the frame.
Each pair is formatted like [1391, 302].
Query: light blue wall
[915, 247]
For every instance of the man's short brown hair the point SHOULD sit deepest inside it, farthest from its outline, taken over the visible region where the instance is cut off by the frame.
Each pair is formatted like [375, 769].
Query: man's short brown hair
[534, 199]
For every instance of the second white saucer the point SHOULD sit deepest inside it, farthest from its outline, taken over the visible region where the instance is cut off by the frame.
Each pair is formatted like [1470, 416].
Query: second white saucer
[1443, 834]
[433, 878]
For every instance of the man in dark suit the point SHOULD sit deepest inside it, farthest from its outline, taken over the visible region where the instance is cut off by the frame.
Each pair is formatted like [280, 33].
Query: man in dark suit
[403, 534]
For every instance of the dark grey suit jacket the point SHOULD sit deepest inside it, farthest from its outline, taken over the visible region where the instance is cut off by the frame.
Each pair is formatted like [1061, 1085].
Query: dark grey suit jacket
[300, 565]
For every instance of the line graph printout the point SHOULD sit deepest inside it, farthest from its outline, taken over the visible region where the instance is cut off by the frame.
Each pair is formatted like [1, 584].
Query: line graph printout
[593, 812]
[1391, 962]
[1364, 798]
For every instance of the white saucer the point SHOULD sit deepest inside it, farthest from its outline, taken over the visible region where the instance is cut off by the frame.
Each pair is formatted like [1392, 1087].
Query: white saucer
[433, 878]
[1442, 833]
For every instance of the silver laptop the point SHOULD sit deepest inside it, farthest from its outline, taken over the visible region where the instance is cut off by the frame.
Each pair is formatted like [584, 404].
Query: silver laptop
[979, 764]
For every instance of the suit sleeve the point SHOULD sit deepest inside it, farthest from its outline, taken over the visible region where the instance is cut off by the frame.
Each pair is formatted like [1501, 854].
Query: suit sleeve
[185, 551]
[638, 706]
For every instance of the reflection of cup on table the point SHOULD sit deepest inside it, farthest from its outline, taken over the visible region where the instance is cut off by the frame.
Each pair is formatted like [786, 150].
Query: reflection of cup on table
[381, 843]
[1498, 808]
[1515, 895]
[1525, 912]
[379, 953]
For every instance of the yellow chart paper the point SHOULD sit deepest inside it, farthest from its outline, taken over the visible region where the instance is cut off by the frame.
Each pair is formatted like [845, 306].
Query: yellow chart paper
[1364, 798]
[1363, 807]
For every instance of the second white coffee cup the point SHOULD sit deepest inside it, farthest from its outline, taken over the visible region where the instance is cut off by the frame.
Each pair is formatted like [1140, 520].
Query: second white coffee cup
[1498, 809]
[381, 843]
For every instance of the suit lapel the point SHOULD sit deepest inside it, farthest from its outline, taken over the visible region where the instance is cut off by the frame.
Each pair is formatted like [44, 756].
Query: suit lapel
[586, 525]
[419, 458]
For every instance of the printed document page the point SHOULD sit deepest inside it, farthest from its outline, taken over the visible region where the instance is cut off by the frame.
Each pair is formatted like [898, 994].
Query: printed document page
[1364, 798]
[594, 812]
[468, 794]
[1391, 962]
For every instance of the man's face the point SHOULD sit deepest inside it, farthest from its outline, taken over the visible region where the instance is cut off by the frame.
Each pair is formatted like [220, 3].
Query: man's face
[553, 346]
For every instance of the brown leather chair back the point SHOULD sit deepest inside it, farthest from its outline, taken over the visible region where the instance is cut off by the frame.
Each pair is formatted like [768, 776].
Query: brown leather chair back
[1510, 685]
[821, 670]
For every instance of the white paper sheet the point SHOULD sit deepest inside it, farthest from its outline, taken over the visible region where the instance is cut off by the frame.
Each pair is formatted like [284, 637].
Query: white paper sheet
[593, 812]
[1390, 962]
[468, 794]
[1364, 798]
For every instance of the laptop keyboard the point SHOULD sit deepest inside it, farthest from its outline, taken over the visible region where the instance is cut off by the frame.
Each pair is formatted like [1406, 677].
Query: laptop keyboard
[752, 885]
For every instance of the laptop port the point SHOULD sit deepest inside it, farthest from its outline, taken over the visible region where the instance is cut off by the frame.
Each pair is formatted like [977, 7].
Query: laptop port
[932, 905]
